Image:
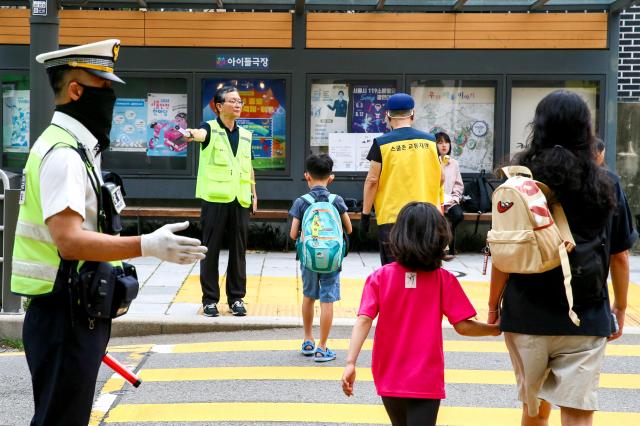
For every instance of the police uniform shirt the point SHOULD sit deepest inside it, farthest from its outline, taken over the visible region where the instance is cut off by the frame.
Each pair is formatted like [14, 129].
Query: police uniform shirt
[64, 179]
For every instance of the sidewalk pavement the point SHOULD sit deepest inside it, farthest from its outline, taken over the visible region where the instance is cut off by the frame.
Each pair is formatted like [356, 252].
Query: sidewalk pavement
[169, 301]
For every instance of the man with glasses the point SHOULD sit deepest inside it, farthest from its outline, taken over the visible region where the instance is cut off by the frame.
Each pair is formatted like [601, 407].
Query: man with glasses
[227, 189]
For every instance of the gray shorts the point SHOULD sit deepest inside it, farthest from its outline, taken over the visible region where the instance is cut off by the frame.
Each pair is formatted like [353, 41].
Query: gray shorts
[562, 370]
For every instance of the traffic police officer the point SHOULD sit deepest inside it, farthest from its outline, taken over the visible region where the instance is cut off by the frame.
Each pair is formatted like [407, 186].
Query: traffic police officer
[227, 188]
[58, 220]
[403, 167]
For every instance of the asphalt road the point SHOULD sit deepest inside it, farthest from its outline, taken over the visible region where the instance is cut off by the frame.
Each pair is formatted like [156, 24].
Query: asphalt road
[198, 379]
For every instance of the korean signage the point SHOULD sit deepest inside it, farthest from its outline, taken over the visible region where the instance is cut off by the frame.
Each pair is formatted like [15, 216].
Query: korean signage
[245, 62]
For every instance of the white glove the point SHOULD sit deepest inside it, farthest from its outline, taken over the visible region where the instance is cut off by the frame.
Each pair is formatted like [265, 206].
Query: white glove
[165, 245]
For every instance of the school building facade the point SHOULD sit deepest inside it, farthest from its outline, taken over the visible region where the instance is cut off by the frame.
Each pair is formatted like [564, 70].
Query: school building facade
[315, 76]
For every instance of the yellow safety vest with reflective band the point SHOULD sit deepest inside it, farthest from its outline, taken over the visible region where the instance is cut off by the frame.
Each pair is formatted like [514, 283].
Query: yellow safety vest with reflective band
[223, 177]
[35, 257]
[410, 172]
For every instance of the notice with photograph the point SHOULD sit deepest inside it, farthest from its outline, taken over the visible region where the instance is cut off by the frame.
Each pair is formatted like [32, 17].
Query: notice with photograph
[466, 114]
[349, 151]
[165, 113]
[15, 120]
[329, 106]
[129, 125]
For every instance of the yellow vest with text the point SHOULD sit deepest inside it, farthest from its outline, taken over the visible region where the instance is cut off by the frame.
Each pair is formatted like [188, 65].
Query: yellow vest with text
[35, 259]
[410, 172]
[223, 177]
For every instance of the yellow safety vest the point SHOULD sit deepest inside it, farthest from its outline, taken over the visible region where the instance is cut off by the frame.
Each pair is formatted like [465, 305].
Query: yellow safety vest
[35, 259]
[410, 172]
[223, 177]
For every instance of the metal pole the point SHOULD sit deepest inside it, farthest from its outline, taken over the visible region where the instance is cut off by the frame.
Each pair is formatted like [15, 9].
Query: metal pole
[44, 24]
[10, 208]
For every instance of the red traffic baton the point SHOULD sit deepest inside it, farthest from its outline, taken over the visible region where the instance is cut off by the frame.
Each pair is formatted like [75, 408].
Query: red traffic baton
[121, 370]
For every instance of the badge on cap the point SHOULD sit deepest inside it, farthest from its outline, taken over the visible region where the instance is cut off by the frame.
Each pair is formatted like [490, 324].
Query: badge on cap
[96, 58]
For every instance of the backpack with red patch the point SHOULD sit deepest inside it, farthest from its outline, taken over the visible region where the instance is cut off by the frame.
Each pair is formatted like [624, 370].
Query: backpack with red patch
[529, 230]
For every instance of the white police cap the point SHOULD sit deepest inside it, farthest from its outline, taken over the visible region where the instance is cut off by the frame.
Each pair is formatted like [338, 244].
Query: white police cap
[97, 58]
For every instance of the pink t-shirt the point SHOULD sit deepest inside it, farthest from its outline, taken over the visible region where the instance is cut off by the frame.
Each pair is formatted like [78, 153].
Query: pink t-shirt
[408, 359]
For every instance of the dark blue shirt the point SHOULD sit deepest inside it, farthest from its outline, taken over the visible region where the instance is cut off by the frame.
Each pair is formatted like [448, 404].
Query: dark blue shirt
[319, 193]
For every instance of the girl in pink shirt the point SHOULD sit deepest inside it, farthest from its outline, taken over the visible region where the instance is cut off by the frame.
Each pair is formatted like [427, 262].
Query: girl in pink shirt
[410, 296]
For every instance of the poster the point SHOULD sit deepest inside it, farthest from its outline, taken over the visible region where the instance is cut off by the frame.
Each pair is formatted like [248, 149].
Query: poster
[129, 126]
[369, 108]
[524, 101]
[264, 113]
[466, 114]
[165, 111]
[349, 151]
[15, 120]
[329, 106]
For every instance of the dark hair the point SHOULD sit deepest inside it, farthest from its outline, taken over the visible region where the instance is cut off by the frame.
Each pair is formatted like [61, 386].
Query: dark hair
[560, 154]
[340, 91]
[218, 98]
[442, 136]
[56, 78]
[182, 115]
[419, 237]
[319, 166]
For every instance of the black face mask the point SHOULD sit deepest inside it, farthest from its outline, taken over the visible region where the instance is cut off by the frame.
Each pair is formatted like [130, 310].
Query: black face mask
[94, 110]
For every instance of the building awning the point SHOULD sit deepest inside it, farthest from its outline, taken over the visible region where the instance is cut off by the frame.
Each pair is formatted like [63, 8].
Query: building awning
[301, 6]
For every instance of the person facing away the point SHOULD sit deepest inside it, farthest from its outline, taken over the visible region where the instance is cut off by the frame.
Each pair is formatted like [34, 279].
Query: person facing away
[323, 286]
[58, 224]
[453, 187]
[556, 361]
[403, 167]
[226, 186]
[409, 297]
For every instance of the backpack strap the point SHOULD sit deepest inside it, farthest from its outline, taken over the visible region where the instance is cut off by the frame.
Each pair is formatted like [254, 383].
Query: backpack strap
[332, 198]
[308, 198]
[566, 272]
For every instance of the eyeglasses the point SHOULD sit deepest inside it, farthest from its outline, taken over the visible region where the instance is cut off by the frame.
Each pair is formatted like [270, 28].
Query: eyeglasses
[235, 102]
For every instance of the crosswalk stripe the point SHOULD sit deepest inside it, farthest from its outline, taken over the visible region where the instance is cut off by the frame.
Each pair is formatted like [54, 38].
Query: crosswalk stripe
[489, 377]
[478, 346]
[326, 413]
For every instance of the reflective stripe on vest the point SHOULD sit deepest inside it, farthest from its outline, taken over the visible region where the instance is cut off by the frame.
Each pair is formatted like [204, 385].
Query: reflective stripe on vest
[223, 177]
[35, 256]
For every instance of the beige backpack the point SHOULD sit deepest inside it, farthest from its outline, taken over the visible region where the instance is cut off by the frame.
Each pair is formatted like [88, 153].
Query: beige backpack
[529, 230]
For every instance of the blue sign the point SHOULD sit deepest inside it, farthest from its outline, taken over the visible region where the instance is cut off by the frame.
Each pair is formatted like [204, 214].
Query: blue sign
[245, 62]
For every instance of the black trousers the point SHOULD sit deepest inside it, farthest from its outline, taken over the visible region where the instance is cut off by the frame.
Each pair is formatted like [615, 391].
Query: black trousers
[454, 216]
[383, 243]
[224, 222]
[411, 411]
[64, 350]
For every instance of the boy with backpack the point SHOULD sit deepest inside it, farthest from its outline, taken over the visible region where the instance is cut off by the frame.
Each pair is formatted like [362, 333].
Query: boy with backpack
[319, 220]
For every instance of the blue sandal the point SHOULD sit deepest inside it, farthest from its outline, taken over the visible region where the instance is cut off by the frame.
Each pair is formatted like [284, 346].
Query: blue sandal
[324, 356]
[308, 348]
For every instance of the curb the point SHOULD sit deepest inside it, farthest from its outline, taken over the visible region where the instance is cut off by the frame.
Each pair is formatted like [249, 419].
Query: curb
[136, 326]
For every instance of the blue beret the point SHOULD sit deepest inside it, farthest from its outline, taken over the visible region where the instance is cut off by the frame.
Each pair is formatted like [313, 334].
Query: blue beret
[399, 102]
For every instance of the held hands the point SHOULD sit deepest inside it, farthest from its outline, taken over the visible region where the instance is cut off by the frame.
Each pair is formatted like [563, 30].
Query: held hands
[165, 245]
[348, 378]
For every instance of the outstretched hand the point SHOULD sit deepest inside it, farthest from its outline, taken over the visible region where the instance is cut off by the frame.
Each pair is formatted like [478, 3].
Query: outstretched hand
[165, 245]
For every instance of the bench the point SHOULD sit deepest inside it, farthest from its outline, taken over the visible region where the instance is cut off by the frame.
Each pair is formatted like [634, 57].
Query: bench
[140, 212]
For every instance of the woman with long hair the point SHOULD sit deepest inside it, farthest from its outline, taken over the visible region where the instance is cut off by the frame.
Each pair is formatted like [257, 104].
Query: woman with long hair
[555, 361]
